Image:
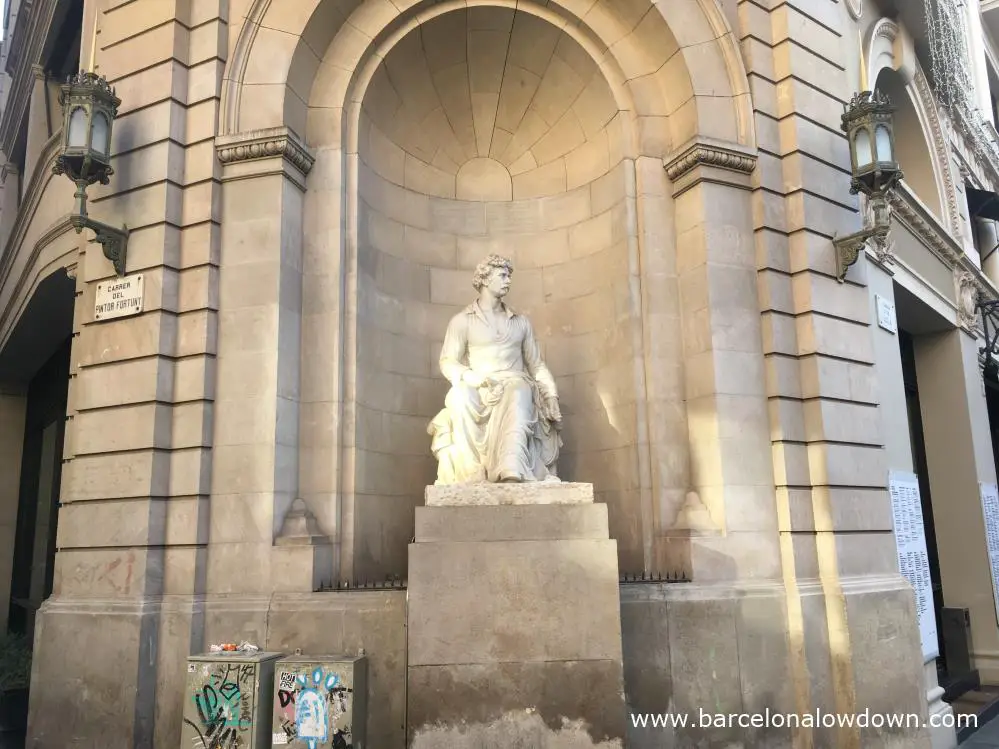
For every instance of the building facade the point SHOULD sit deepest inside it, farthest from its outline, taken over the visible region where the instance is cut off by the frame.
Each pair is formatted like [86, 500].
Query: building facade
[307, 185]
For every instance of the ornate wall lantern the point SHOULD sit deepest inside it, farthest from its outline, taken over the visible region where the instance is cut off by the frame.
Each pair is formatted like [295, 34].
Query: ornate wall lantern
[989, 309]
[867, 122]
[89, 109]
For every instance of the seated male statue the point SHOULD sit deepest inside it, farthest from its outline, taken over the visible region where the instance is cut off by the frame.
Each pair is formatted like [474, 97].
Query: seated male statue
[501, 419]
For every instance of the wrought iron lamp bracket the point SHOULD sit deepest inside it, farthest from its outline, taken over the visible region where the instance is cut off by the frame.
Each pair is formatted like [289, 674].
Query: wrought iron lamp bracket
[849, 248]
[113, 241]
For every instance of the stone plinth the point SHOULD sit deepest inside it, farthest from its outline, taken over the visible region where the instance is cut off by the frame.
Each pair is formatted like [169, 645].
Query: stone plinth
[514, 621]
[485, 494]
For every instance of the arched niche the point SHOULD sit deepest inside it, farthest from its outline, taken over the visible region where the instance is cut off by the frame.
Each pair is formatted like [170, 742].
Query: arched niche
[688, 64]
[414, 181]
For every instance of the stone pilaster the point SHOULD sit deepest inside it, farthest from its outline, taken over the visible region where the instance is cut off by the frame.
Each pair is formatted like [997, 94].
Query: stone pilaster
[836, 541]
[10, 199]
[39, 117]
[731, 475]
[257, 424]
[959, 456]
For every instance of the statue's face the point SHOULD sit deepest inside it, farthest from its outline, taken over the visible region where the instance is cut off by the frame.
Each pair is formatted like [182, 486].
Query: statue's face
[499, 282]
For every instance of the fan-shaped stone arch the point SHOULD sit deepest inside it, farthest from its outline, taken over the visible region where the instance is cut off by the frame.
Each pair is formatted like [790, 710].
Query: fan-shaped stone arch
[682, 63]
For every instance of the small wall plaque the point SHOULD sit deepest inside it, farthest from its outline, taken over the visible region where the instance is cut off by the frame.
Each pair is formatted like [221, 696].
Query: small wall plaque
[886, 314]
[119, 297]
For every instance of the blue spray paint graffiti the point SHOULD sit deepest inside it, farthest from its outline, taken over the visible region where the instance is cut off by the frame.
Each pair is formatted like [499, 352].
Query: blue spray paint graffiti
[310, 707]
[313, 709]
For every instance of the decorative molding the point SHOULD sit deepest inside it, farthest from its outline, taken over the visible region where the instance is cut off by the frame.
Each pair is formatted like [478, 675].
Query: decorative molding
[856, 8]
[884, 252]
[967, 299]
[703, 153]
[940, 145]
[265, 144]
[932, 234]
[232, 85]
[907, 210]
[885, 27]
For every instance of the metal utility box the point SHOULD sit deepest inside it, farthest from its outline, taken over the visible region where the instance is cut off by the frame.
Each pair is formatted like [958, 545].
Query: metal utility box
[320, 702]
[227, 700]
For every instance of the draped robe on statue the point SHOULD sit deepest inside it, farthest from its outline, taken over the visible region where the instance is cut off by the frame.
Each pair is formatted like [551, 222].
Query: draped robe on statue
[497, 432]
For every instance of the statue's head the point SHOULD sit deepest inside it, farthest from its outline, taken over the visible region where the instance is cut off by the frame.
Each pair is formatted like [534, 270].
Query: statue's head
[493, 273]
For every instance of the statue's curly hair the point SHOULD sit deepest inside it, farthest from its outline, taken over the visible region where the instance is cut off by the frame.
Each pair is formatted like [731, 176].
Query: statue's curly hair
[486, 267]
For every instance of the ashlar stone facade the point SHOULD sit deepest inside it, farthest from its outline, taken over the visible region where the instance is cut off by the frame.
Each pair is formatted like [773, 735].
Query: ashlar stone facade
[309, 183]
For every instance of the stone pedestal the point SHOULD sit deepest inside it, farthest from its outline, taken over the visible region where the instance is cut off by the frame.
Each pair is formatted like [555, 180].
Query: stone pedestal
[514, 621]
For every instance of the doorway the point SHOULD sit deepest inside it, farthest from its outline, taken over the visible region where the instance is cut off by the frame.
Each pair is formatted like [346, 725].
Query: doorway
[38, 504]
[917, 443]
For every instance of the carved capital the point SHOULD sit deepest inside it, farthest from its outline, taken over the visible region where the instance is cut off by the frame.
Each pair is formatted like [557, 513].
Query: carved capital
[702, 153]
[265, 144]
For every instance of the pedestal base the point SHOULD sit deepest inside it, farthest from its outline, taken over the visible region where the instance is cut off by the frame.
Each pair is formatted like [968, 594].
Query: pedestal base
[514, 623]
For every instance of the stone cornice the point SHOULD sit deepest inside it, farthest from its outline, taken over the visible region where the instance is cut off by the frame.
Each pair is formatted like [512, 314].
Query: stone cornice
[264, 144]
[705, 153]
[925, 227]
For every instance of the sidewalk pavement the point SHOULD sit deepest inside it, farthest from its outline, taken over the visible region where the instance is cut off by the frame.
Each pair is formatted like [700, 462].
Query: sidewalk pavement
[986, 737]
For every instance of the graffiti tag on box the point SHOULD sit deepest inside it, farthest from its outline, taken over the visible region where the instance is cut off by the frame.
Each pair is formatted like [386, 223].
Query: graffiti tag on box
[223, 705]
[314, 710]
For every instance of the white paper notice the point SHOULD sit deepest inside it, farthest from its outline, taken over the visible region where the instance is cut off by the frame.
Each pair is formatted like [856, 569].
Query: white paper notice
[913, 561]
[990, 509]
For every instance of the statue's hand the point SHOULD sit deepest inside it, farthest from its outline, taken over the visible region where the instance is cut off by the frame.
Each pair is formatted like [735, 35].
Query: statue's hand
[550, 409]
[474, 379]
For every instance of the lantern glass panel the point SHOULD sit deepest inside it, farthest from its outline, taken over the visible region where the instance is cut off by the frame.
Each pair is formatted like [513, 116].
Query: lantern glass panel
[883, 141]
[77, 137]
[862, 148]
[99, 137]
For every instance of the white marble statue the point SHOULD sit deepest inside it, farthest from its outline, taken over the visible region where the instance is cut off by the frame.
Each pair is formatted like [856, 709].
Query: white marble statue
[501, 419]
